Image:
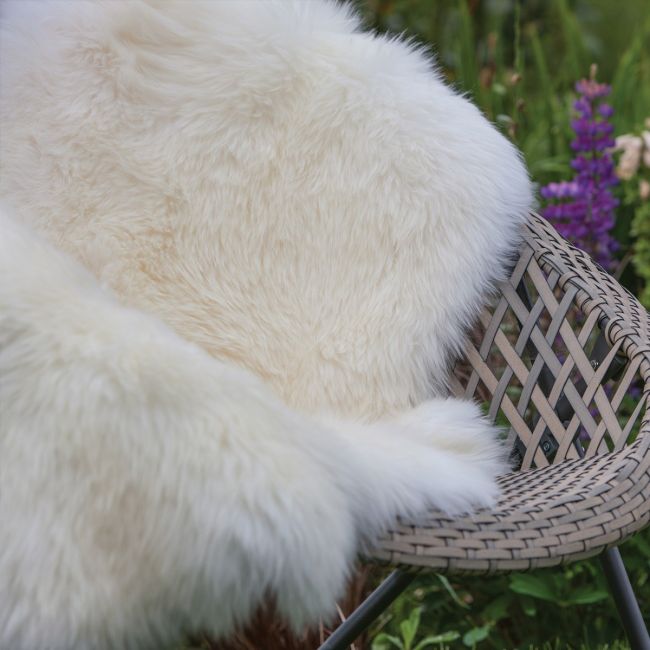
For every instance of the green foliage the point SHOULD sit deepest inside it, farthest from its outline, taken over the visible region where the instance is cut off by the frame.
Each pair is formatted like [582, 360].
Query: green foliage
[567, 607]
[519, 61]
[635, 209]
[408, 632]
[641, 233]
[556, 589]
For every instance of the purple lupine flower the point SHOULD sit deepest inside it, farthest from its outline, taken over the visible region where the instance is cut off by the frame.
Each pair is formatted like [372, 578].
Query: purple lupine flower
[582, 209]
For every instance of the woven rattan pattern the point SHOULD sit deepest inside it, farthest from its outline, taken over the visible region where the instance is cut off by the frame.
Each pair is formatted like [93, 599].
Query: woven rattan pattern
[562, 506]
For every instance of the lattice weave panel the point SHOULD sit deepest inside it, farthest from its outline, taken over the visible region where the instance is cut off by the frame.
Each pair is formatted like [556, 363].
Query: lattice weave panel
[561, 359]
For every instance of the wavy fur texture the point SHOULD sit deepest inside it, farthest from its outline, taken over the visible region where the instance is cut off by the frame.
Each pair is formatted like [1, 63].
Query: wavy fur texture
[240, 244]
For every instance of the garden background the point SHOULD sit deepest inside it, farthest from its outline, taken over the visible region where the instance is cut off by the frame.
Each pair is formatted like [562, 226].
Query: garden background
[520, 61]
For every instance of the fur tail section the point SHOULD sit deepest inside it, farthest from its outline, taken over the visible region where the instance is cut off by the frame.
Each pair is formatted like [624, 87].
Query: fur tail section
[443, 454]
[147, 489]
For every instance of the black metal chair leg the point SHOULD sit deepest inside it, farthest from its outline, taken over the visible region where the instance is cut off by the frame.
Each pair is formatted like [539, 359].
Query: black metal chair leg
[368, 611]
[626, 602]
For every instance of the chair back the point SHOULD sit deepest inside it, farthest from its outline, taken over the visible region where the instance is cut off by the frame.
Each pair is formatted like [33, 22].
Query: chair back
[561, 356]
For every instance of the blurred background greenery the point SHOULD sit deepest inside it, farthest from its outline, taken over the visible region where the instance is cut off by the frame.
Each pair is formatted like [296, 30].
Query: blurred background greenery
[519, 62]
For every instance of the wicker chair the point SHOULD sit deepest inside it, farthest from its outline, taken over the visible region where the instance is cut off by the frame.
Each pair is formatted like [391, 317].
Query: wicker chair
[557, 357]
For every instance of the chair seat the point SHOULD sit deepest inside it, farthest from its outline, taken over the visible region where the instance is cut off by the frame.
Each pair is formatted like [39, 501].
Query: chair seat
[545, 517]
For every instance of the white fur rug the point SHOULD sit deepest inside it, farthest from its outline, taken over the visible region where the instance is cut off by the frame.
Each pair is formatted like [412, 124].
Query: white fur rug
[239, 242]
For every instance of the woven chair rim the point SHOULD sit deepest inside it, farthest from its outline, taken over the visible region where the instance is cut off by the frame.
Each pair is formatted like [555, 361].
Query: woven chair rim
[567, 511]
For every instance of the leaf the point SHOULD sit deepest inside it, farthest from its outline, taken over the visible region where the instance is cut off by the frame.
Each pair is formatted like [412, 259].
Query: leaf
[409, 628]
[498, 608]
[557, 164]
[535, 586]
[528, 605]
[446, 637]
[586, 595]
[451, 591]
[471, 638]
[382, 640]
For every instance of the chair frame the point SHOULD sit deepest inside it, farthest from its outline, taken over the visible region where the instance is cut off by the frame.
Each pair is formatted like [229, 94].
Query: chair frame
[583, 484]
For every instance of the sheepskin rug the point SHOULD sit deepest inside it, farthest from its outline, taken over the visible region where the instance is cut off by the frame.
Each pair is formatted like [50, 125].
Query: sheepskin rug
[240, 245]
